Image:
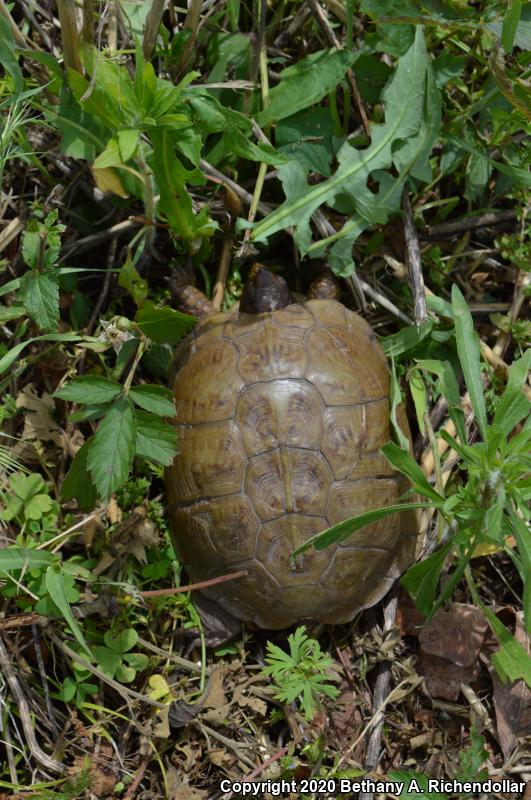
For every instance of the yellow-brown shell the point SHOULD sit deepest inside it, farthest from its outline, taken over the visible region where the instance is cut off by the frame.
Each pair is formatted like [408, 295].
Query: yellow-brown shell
[280, 417]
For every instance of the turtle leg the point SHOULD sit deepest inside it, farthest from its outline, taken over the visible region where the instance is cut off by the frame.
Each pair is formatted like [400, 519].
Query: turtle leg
[187, 297]
[325, 286]
[219, 625]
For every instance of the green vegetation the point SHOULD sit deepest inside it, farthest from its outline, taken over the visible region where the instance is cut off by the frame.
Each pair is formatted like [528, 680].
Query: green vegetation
[138, 141]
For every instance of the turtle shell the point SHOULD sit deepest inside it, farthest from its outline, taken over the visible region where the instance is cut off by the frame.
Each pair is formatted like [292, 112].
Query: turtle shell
[280, 418]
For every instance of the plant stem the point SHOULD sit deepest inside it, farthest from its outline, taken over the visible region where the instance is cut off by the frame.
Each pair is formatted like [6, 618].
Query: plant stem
[88, 17]
[138, 355]
[151, 28]
[149, 199]
[69, 34]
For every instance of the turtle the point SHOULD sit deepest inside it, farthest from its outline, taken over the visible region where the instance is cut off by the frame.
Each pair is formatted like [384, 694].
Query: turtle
[281, 410]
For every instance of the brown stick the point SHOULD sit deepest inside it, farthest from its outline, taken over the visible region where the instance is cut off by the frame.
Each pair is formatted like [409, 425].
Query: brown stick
[223, 270]
[69, 34]
[151, 27]
[322, 19]
[414, 263]
[46, 761]
[192, 586]
[447, 229]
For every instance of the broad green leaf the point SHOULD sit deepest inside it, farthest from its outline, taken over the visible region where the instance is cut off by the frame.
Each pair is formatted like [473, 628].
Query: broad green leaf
[163, 325]
[91, 389]
[415, 786]
[122, 641]
[237, 143]
[406, 339]
[511, 662]
[113, 448]
[175, 201]
[108, 661]
[8, 57]
[111, 156]
[37, 506]
[8, 313]
[12, 558]
[421, 579]
[78, 484]
[513, 405]
[408, 116]
[156, 399]
[128, 140]
[7, 361]
[523, 538]
[155, 439]
[450, 389]
[511, 18]
[342, 531]
[298, 87]
[402, 461]
[56, 589]
[40, 295]
[469, 356]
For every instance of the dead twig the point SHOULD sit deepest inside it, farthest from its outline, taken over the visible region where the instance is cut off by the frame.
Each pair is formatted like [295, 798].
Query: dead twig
[46, 761]
[322, 19]
[192, 586]
[412, 253]
[460, 226]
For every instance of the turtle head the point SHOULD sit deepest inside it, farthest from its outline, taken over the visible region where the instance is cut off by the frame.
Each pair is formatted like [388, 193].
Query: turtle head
[264, 291]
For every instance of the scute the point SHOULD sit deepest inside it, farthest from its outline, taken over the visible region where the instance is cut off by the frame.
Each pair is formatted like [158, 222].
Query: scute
[208, 383]
[280, 417]
[279, 412]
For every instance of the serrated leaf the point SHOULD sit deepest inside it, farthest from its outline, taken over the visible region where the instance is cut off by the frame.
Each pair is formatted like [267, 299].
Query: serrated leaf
[163, 325]
[406, 117]
[56, 589]
[469, 357]
[156, 399]
[113, 448]
[89, 389]
[40, 295]
[155, 439]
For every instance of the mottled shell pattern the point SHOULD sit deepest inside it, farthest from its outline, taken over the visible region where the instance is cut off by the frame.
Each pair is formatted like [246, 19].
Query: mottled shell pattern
[280, 417]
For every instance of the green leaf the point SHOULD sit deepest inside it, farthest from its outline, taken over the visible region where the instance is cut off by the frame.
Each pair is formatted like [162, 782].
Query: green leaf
[156, 399]
[155, 439]
[511, 662]
[128, 140]
[113, 448]
[130, 278]
[415, 786]
[92, 389]
[37, 506]
[163, 324]
[298, 87]
[521, 534]
[7, 361]
[56, 589]
[450, 389]
[13, 558]
[469, 356]
[513, 405]
[421, 579]
[78, 484]
[412, 111]
[111, 156]
[8, 57]
[511, 19]
[406, 339]
[108, 661]
[419, 395]
[342, 531]
[40, 295]
[402, 461]
[175, 201]
[121, 641]
[395, 399]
